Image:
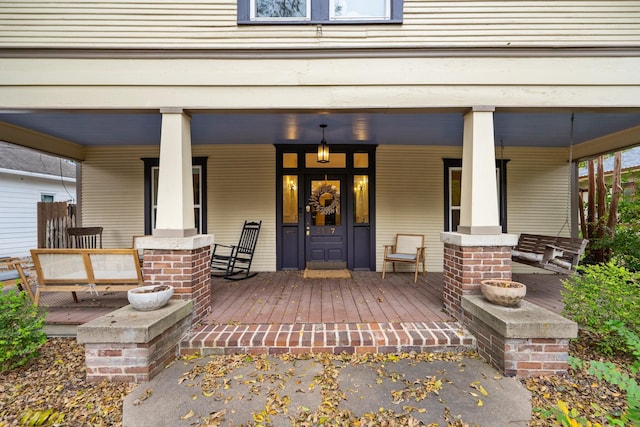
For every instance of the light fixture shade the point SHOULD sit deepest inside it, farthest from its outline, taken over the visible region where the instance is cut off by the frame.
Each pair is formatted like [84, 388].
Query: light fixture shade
[323, 148]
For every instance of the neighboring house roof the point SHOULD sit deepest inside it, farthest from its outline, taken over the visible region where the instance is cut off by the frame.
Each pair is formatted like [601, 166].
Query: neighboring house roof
[630, 160]
[17, 158]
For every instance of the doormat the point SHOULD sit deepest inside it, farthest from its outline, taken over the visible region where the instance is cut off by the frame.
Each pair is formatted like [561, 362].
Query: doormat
[327, 274]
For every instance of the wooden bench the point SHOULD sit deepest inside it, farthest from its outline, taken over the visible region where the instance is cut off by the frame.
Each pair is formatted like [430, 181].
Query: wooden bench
[88, 270]
[558, 254]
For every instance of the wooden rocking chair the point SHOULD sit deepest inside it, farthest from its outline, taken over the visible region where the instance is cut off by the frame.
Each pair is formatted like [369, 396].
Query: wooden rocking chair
[233, 262]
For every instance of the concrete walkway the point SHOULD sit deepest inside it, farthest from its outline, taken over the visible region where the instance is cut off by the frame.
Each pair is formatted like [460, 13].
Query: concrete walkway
[313, 390]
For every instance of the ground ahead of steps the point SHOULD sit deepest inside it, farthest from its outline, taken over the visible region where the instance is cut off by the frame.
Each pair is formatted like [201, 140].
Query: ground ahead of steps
[52, 387]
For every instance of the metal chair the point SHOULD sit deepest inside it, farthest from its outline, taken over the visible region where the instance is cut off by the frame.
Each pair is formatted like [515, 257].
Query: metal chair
[233, 262]
[85, 237]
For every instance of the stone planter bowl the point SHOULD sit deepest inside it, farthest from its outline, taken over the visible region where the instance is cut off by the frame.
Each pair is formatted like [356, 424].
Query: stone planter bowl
[147, 298]
[503, 292]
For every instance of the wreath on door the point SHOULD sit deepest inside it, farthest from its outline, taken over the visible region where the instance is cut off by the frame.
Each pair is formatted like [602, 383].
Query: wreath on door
[314, 199]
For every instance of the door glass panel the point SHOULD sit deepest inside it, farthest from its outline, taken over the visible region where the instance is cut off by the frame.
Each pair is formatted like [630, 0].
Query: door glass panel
[361, 202]
[290, 199]
[325, 202]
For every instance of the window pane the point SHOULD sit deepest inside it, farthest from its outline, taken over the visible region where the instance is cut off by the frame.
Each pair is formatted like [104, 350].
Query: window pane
[456, 186]
[359, 9]
[361, 202]
[46, 198]
[455, 219]
[325, 202]
[361, 160]
[298, 10]
[290, 160]
[197, 195]
[196, 187]
[336, 160]
[290, 199]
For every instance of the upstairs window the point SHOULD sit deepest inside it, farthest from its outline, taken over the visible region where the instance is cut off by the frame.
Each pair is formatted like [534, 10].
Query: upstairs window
[356, 10]
[319, 11]
[280, 10]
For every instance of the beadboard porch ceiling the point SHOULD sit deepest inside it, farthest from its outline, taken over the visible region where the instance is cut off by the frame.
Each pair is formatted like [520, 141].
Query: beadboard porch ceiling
[444, 128]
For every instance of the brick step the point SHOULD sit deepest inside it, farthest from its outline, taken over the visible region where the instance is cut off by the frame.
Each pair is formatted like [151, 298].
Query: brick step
[334, 338]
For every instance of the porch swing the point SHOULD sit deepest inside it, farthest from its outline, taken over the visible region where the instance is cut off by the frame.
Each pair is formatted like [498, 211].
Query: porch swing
[557, 254]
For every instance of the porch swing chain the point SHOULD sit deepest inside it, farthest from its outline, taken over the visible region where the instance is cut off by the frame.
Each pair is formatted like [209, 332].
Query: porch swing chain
[568, 210]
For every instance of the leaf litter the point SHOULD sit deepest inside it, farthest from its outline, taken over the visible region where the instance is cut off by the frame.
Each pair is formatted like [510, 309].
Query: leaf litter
[54, 385]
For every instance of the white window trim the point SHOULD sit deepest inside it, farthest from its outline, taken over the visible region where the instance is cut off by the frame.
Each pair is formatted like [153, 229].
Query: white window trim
[196, 206]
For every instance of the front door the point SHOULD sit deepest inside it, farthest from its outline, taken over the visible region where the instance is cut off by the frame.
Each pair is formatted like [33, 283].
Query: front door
[325, 229]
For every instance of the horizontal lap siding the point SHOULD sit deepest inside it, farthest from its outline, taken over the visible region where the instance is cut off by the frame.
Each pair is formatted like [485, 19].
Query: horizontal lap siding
[212, 24]
[113, 192]
[410, 198]
[240, 185]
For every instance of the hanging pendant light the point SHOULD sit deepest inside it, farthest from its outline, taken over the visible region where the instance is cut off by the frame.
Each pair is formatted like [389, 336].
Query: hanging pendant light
[323, 148]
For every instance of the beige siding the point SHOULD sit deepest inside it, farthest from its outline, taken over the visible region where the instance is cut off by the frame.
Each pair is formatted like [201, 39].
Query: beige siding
[212, 24]
[113, 192]
[241, 185]
[410, 198]
[240, 181]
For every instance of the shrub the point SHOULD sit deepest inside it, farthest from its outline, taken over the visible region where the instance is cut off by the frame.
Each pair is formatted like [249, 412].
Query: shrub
[602, 292]
[21, 329]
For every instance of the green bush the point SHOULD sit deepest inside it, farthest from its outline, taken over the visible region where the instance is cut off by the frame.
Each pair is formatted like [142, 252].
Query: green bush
[602, 292]
[613, 374]
[21, 329]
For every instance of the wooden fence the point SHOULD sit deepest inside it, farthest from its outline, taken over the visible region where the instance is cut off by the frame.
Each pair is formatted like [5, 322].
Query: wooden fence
[53, 220]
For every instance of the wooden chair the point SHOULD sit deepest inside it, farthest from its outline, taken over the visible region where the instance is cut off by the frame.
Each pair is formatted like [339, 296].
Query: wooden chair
[230, 261]
[85, 237]
[408, 249]
[11, 274]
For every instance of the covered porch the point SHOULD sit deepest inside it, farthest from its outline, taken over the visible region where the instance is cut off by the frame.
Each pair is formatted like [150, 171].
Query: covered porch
[263, 309]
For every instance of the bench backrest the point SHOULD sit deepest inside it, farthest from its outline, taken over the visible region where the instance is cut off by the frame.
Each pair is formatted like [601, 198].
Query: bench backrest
[536, 243]
[87, 266]
[408, 243]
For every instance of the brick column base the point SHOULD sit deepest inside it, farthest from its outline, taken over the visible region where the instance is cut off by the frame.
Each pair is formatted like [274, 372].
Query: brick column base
[525, 341]
[183, 263]
[133, 346]
[470, 259]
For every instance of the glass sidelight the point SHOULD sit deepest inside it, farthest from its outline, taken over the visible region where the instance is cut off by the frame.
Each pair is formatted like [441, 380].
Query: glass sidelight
[324, 202]
[290, 199]
[361, 199]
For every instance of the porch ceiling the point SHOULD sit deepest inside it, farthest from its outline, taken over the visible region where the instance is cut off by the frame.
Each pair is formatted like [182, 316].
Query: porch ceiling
[513, 128]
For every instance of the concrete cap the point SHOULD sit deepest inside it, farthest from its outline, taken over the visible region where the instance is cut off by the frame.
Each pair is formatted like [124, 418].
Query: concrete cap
[461, 239]
[526, 321]
[128, 325]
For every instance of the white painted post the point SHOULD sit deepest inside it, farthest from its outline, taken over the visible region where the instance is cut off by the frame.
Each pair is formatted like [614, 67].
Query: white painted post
[174, 217]
[479, 193]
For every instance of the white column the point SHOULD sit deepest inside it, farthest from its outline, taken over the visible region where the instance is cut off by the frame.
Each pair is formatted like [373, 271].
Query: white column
[174, 217]
[479, 205]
